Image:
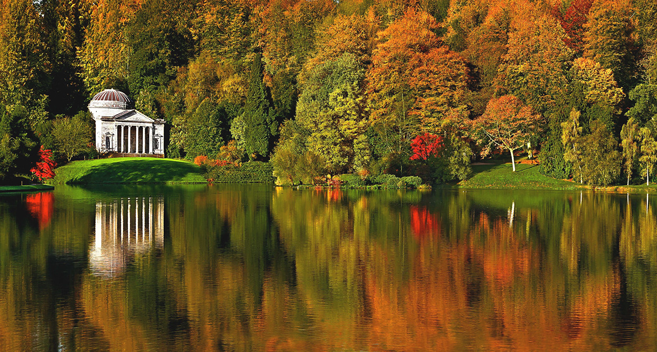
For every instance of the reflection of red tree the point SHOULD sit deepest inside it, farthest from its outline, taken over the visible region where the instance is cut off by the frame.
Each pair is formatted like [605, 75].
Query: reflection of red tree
[41, 206]
[423, 223]
[334, 195]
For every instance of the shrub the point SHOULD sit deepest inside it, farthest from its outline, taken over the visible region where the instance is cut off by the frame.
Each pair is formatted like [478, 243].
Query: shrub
[413, 181]
[250, 172]
[352, 180]
[386, 180]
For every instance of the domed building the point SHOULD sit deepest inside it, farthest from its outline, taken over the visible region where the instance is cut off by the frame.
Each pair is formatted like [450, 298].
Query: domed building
[122, 129]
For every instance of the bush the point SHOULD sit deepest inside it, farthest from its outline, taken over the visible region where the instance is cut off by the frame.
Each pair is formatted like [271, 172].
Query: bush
[413, 181]
[352, 180]
[250, 172]
[386, 180]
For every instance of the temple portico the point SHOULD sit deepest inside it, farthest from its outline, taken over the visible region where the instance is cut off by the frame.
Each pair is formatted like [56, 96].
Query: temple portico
[123, 130]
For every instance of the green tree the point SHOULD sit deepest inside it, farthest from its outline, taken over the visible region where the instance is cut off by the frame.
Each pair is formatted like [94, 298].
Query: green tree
[205, 131]
[570, 137]
[23, 57]
[19, 149]
[648, 152]
[629, 138]
[331, 108]
[644, 110]
[161, 41]
[259, 123]
[601, 161]
[72, 135]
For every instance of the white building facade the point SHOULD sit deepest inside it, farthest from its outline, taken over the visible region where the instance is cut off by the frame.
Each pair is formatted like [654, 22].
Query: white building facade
[121, 129]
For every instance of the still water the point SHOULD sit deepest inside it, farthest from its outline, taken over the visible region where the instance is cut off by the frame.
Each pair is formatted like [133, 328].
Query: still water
[207, 268]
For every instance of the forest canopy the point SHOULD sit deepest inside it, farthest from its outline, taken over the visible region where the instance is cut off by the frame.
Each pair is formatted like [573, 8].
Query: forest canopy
[331, 87]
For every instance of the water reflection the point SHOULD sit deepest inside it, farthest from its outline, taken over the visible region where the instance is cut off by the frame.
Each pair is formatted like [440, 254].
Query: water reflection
[249, 268]
[125, 228]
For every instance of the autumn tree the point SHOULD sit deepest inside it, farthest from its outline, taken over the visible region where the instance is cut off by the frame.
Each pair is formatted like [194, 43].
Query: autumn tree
[630, 137]
[104, 56]
[609, 39]
[45, 167]
[414, 81]
[572, 20]
[507, 124]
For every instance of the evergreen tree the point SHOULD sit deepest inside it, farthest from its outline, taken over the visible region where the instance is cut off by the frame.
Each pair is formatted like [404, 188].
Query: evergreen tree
[19, 150]
[205, 131]
[259, 124]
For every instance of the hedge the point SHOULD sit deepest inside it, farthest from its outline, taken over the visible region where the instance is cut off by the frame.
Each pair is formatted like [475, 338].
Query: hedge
[250, 172]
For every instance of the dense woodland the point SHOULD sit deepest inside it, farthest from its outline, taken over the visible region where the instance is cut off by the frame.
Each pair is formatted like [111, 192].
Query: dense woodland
[327, 88]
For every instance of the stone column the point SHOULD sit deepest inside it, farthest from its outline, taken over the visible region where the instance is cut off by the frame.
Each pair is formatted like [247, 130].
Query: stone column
[129, 139]
[150, 139]
[143, 139]
[136, 139]
[118, 139]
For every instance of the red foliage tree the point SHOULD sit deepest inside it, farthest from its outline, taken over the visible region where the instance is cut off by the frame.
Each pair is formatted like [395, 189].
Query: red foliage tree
[425, 146]
[45, 168]
[572, 21]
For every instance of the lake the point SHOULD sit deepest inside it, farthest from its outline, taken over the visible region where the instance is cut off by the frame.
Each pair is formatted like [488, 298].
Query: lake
[252, 267]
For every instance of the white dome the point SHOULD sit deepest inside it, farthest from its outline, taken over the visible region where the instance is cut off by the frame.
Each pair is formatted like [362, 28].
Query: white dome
[110, 98]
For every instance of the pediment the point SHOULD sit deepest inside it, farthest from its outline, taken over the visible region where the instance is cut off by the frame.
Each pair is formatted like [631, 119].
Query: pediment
[132, 116]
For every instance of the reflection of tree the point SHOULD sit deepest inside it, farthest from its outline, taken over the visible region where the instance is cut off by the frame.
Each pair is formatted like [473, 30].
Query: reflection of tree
[41, 206]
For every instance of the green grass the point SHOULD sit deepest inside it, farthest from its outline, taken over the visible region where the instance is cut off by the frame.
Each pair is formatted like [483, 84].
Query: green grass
[27, 188]
[128, 170]
[501, 176]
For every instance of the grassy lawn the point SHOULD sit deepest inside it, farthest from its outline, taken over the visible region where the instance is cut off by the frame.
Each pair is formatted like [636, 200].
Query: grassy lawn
[129, 170]
[27, 188]
[501, 176]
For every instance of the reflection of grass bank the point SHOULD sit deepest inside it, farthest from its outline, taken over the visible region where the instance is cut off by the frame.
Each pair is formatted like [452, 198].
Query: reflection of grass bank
[129, 170]
[501, 176]
[28, 188]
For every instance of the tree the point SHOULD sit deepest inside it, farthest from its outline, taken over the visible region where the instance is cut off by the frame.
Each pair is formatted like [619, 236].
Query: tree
[573, 21]
[507, 124]
[425, 146]
[259, 123]
[72, 135]
[331, 109]
[644, 110]
[414, 81]
[18, 145]
[629, 138]
[570, 137]
[601, 161]
[648, 152]
[104, 56]
[609, 39]
[205, 131]
[23, 58]
[45, 167]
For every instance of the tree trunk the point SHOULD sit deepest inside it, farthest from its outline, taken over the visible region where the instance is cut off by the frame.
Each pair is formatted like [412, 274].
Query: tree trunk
[647, 177]
[513, 160]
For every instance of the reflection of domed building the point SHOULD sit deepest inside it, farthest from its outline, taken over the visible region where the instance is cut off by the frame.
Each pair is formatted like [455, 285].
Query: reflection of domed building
[122, 129]
[125, 228]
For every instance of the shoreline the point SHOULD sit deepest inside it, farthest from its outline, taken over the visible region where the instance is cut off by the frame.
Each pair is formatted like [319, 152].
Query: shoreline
[26, 188]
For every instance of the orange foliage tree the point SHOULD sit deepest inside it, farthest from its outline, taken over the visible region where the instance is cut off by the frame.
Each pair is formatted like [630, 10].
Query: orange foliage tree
[414, 79]
[507, 124]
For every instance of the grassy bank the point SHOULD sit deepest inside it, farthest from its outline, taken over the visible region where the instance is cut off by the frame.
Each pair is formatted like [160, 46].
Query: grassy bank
[27, 188]
[128, 170]
[501, 176]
